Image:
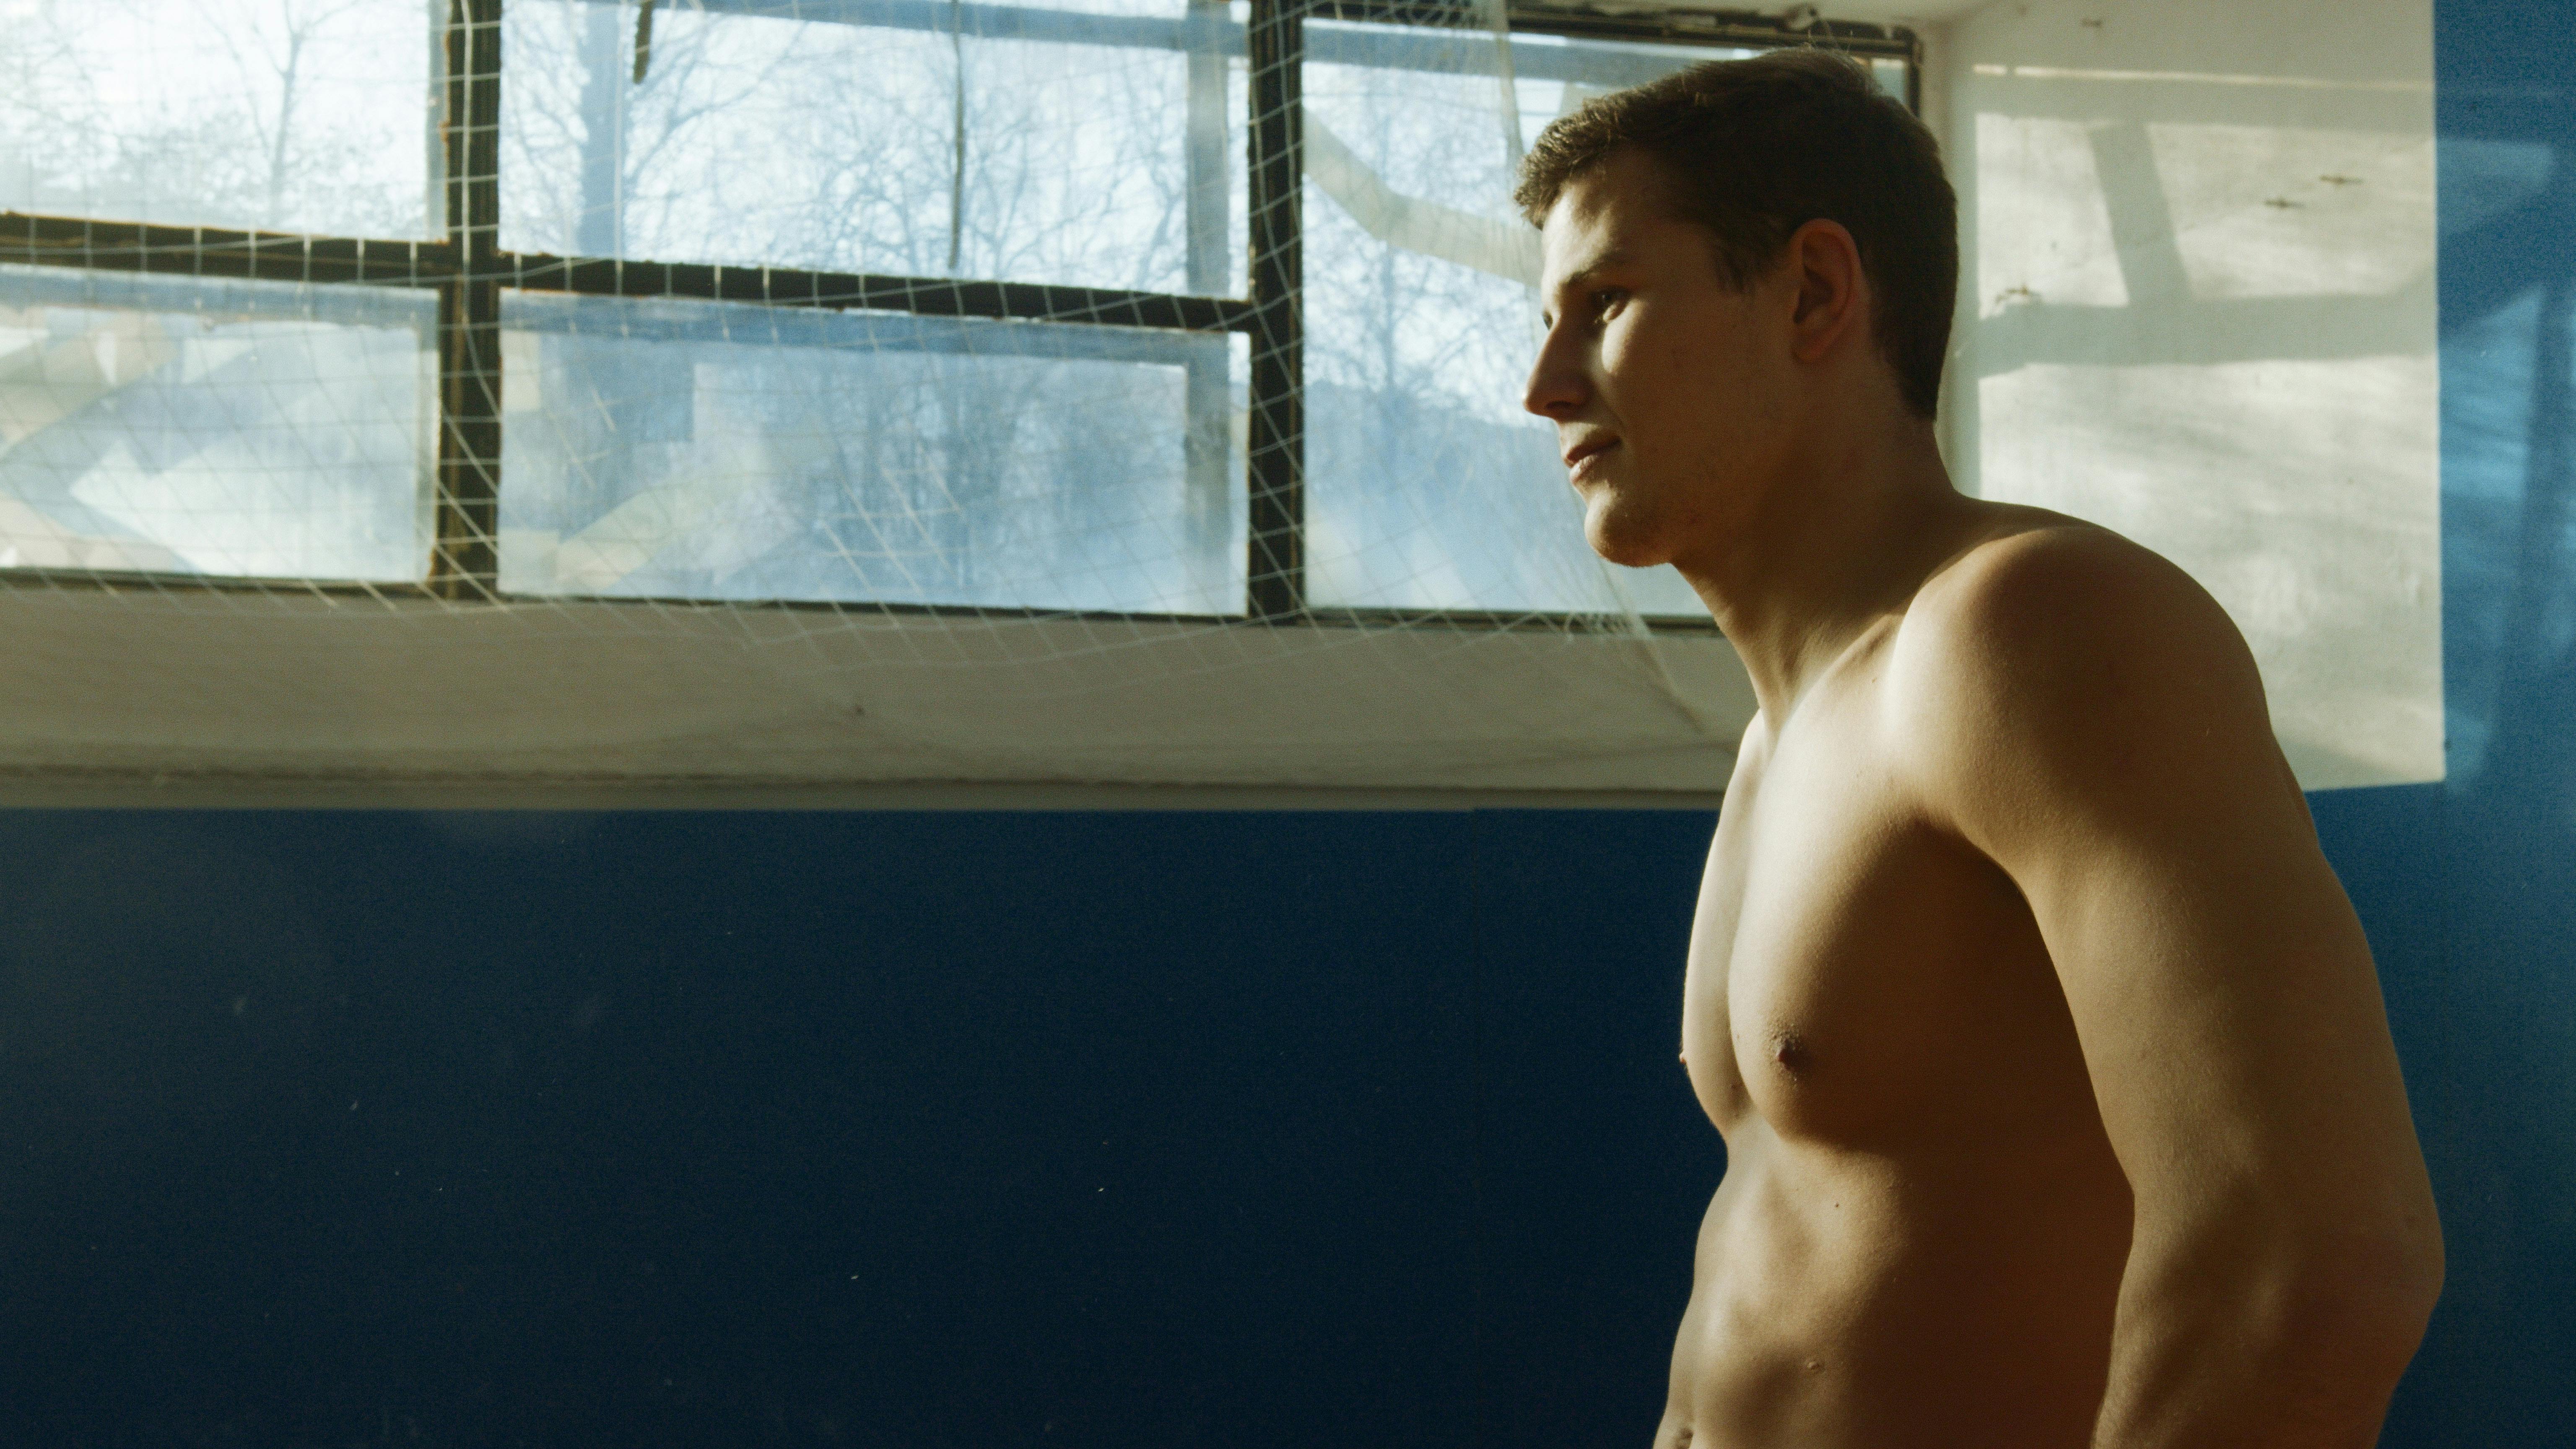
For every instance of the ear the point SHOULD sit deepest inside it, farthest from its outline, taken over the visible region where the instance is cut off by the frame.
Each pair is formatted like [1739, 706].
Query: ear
[1831, 287]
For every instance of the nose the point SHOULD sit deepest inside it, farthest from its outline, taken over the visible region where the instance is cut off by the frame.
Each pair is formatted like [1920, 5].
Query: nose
[1559, 386]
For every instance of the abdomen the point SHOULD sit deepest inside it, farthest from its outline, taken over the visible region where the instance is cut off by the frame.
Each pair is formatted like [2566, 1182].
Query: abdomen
[1843, 1300]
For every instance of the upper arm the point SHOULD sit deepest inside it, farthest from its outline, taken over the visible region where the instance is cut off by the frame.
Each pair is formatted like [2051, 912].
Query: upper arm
[2083, 714]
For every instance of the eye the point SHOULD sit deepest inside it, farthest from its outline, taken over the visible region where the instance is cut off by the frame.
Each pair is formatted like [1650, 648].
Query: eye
[1607, 302]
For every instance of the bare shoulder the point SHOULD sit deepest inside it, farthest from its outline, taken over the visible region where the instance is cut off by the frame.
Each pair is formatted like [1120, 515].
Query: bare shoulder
[2043, 593]
[2051, 663]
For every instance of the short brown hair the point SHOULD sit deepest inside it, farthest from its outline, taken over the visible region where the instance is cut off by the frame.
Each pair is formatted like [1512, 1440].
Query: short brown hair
[1755, 149]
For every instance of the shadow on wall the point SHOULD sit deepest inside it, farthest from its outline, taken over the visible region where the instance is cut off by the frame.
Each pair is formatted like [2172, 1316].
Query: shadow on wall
[2501, 1110]
[2199, 309]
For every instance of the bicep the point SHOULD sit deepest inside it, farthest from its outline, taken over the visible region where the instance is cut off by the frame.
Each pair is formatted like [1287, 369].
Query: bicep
[2228, 1010]
[2104, 739]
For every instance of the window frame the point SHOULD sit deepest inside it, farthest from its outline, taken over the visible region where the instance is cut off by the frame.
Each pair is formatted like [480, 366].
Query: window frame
[469, 270]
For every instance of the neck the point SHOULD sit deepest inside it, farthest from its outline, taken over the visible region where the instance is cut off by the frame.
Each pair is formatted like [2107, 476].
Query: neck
[1847, 530]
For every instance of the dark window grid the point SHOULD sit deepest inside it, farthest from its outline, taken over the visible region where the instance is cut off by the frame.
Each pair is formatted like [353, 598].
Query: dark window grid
[469, 270]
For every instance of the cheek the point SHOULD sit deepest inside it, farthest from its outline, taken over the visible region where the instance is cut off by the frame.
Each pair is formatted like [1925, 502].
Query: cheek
[1627, 363]
[1666, 377]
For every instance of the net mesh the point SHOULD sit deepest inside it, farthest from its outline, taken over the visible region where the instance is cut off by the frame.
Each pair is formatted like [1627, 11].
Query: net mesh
[1111, 389]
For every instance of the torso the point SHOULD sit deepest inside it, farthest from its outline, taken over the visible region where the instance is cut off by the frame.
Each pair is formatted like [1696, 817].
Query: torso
[1922, 1228]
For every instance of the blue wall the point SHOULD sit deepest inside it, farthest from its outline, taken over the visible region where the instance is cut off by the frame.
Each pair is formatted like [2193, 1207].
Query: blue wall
[1114, 1130]
[2471, 887]
[1130, 1130]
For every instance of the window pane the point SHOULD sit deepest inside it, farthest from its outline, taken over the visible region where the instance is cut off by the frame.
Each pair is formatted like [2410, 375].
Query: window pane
[280, 114]
[1427, 486]
[989, 142]
[716, 451]
[203, 427]
[1890, 75]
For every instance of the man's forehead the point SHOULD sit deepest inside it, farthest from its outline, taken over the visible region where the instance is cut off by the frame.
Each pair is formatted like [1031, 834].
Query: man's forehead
[1600, 218]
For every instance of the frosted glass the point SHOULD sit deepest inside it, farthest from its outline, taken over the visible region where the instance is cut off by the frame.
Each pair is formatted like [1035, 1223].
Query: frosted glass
[713, 451]
[779, 140]
[222, 428]
[278, 114]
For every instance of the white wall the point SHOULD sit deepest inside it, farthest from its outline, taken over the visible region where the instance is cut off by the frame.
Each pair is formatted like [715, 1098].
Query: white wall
[2197, 306]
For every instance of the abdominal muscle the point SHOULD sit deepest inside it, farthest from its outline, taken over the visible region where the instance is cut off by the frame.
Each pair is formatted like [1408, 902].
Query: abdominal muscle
[1844, 1299]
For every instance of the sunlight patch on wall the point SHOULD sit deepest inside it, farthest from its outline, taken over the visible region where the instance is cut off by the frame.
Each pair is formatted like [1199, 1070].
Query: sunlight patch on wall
[2294, 211]
[2039, 170]
[2293, 491]
[2205, 319]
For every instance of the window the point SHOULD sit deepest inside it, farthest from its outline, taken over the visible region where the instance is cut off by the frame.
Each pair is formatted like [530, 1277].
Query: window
[1148, 307]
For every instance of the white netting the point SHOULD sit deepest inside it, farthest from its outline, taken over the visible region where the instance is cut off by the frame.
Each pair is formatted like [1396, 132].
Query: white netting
[705, 517]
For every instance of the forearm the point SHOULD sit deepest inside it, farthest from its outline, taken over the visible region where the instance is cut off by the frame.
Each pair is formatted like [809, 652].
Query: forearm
[2255, 1348]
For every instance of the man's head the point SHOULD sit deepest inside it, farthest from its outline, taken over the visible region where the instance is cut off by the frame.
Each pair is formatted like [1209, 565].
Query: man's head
[1730, 250]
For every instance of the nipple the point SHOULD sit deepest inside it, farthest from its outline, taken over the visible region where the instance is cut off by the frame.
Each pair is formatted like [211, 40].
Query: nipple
[1790, 1052]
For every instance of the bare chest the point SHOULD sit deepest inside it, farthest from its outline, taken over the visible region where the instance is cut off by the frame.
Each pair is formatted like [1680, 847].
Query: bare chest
[1854, 972]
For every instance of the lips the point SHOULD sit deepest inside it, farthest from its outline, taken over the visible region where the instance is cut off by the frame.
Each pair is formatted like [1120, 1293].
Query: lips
[1585, 451]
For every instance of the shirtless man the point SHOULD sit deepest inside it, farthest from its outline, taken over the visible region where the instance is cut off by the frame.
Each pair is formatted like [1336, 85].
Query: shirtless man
[2059, 1102]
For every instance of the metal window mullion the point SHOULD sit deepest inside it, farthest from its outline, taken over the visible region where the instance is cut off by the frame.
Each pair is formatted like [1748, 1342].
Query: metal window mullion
[1207, 447]
[464, 558]
[1276, 468]
[920, 296]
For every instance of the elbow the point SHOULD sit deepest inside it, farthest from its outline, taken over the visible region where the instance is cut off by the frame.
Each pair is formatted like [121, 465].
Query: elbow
[2365, 1266]
[2414, 1282]
[2310, 1293]
[2427, 1264]
[2399, 1265]
[2368, 1300]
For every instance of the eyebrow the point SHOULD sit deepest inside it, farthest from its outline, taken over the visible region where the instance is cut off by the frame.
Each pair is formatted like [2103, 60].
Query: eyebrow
[1576, 281]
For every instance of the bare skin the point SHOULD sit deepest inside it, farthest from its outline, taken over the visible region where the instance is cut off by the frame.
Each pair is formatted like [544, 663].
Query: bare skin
[2059, 1101]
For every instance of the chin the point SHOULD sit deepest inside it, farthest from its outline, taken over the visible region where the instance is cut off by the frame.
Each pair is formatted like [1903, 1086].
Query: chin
[1620, 537]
